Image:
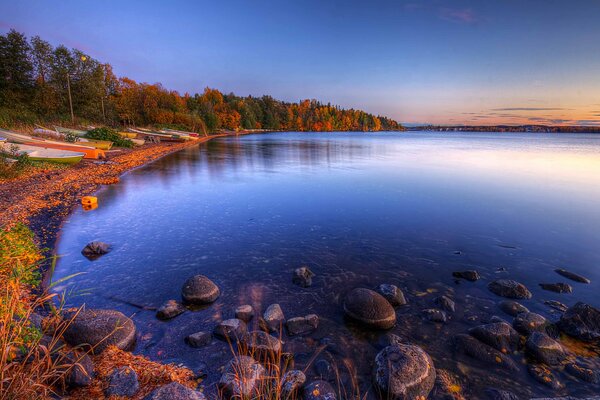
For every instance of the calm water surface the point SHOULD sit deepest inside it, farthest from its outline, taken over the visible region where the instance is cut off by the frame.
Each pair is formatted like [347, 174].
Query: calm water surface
[359, 210]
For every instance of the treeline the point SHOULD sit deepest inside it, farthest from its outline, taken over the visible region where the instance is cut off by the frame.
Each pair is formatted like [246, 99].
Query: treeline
[37, 79]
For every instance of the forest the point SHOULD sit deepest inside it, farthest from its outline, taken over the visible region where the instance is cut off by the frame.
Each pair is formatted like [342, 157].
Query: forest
[38, 82]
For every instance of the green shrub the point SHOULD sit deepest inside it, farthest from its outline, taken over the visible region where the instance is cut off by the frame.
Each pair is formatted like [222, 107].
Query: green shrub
[110, 135]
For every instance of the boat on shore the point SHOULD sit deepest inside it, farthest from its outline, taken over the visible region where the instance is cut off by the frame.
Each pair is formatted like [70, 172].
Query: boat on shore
[155, 136]
[36, 153]
[99, 144]
[88, 151]
[181, 133]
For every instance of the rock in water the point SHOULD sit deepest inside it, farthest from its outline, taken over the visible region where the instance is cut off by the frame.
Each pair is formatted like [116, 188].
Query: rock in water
[99, 329]
[434, 315]
[303, 277]
[199, 290]
[474, 348]
[545, 349]
[512, 308]
[392, 294]
[170, 309]
[122, 382]
[241, 377]
[262, 343]
[292, 381]
[404, 372]
[369, 308]
[557, 305]
[231, 329]
[559, 287]
[572, 276]
[94, 250]
[499, 335]
[319, 390]
[470, 275]
[447, 386]
[245, 313]
[302, 325]
[198, 339]
[527, 323]
[543, 375]
[581, 321]
[274, 317]
[175, 391]
[445, 303]
[497, 394]
[584, 373]
[509, 288]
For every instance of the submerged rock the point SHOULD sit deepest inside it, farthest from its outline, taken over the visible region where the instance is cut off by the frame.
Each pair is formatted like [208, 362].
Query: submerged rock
[292, 382]
[122, 382]
[200, 290]
[545, 349]
[244, 312]
[170, 309]
[472, 347]
[559, 287]
[434, 315]
[543, 375]
[274, 317]
[241, 377]
[198, 339]
[94, 250]
[583, 373]
[261, 342]
[303, 277]
[470, 275]
[445, 303]
[319, 390]
[369, 308]
[175, 391]
[499, 335]
[99, 329]
[512, 308]
[404, 372]
[509, 288]
[231, 329]
[557, 305]
[527, 323]
[391, 293]
[302, 325]
[572, 276]
[582, 321]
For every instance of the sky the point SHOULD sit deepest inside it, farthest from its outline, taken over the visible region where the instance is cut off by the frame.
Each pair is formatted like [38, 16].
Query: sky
[471, 62]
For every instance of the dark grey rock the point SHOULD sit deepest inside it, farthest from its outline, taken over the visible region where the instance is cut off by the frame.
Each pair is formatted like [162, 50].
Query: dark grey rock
[447, 386]
[241, 378]
[557, 305]
[98, 329]
[292, 382]
[244, 312]
[175, 391]
[392, 293]
[445, 303]
[476, 349]
[512, 308]
[370, 308]
[302, 325]
[404, 372]
[543, 375]
[434, 315]
[319, 390]
[303, 277]
[261, 342]
[509, 288]
[80, 369]
[559, 287]
[581, 321]
[572, 275]
[274, 317]
[583, 373]
[324, 369]
[94, 250]
[122, 382]
[470, 275]
[200, 290]
[499, 335]
[170, 309]
[527, 323]
[231, 330]
[198, 339]
[496, 318]
[497, 394]
[545, 349]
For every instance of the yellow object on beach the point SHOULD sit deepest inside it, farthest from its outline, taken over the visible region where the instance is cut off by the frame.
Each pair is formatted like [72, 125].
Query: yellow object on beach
[89, 200]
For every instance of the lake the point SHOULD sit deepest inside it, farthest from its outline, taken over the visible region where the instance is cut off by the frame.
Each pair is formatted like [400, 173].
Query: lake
[359, 209]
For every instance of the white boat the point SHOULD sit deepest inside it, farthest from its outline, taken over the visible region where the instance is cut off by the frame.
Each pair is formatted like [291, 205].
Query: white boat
[36, 153]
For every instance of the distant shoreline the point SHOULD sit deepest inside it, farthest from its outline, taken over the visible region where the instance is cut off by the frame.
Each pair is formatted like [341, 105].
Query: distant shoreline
[508, 128]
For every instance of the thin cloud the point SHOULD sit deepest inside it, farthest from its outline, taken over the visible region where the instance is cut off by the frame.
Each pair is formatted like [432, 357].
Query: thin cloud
[530, 109]
[461, 16]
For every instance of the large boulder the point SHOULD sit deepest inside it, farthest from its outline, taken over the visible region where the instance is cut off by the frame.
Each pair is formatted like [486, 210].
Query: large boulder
[470, 275]
[581, 321]
[122, 382]
[242, 377]
[476, 349]
[369, 308]
[98, 329]
[302, 325]
[559, 287]
[319, 390]
[274, 317]
[499, 335]
[527, 323]
[199, 290]
[392, 293]
[509, 288]
[545, 349]
[404, 372]
[175, 391]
